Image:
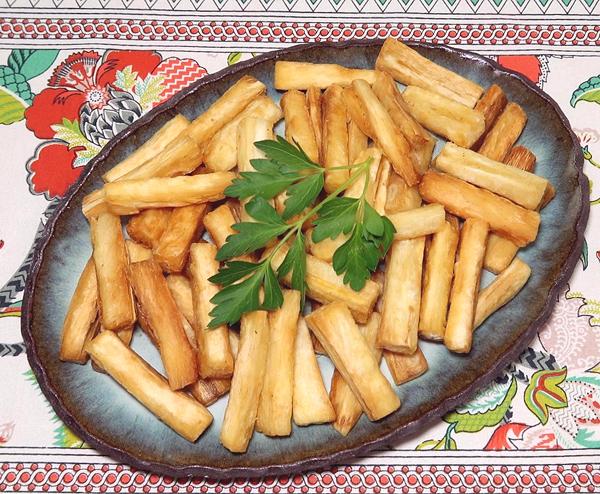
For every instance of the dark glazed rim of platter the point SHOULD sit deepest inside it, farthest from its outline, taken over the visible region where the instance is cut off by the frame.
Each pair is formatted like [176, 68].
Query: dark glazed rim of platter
[323, 461]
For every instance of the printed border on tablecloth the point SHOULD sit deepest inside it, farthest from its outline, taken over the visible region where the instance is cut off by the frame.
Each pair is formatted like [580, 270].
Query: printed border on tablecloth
[463, 7]
[467, 479]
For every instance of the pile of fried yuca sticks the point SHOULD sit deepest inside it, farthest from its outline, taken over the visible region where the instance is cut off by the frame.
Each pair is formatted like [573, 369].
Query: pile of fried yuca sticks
[170, 188]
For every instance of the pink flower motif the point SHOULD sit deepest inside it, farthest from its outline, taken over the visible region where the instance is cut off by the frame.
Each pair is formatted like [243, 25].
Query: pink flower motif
[6, 432]
[537, 437]
[570, 337]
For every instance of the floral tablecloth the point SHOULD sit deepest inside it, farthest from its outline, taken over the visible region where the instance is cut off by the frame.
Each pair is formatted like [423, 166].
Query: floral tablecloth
[64, 62]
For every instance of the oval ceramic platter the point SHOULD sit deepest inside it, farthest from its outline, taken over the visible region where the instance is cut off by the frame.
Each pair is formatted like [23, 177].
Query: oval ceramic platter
[113, 422]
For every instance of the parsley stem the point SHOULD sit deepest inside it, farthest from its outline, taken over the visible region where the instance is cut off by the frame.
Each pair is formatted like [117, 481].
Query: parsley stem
[363, 167]
[349, 167]
[361, 205]
[296, 227]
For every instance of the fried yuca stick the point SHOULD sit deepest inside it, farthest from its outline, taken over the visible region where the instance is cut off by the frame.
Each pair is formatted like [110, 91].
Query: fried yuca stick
[298, 124]
[147, 226]
[311, 402]
[402, 296]
[404, 368]
[346, 346]
[110, 258]
[463, 298]
[324, 249]
[324, 285]
[408, 67]
[521, 187]
[358, 142]
[357, 112]
[180, 156]
[216, 359]
[418, 222]
[505, 132]
[491, 105]
[467, 201]
[80, 324]
[251, 130]
[184, 226]
[445, 117]
[137, 252]
[381, 194]
[549, 194]
[421, 142]
[347, 408]
[499, 253]
[168, 153]
[274, 416]
[221, 151]
[164, 321]
[385, 132]
[500, 291]
[181, 290]
[247, 382]
[521, 157]
[125, 335]
[167, 192]
[318, 348]
[224, 109]
[355, 190]
[176, 409]
[400, 197]
[313, 103]
[335, 137]
[153, 146]
[218, 224]
[303, 75]
[187, 326]
[437, 281]
[207, 391]
[94, 204]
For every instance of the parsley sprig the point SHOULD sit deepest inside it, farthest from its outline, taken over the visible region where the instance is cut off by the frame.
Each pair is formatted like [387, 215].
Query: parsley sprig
[249, 286]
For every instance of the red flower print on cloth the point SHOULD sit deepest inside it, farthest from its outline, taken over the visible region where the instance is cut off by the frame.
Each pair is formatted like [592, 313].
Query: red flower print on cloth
[504, 435]
[51, 169]
[90, 99]
[528, 65]
[82, 79]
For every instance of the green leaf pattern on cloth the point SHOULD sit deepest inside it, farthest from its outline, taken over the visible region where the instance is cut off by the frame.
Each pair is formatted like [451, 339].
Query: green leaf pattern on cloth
[125, 79]
[587, 91]
[544, 393]
[590, 307]
[486, 409]
[70, 132]
[148, 90]
[234, 57]
[31, 63]
[12, 108]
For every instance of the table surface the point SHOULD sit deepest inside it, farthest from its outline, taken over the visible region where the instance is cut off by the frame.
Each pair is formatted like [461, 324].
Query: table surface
[535, 429]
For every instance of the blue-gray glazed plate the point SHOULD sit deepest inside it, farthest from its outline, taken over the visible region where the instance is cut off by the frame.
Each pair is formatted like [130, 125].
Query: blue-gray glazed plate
[110, 420]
